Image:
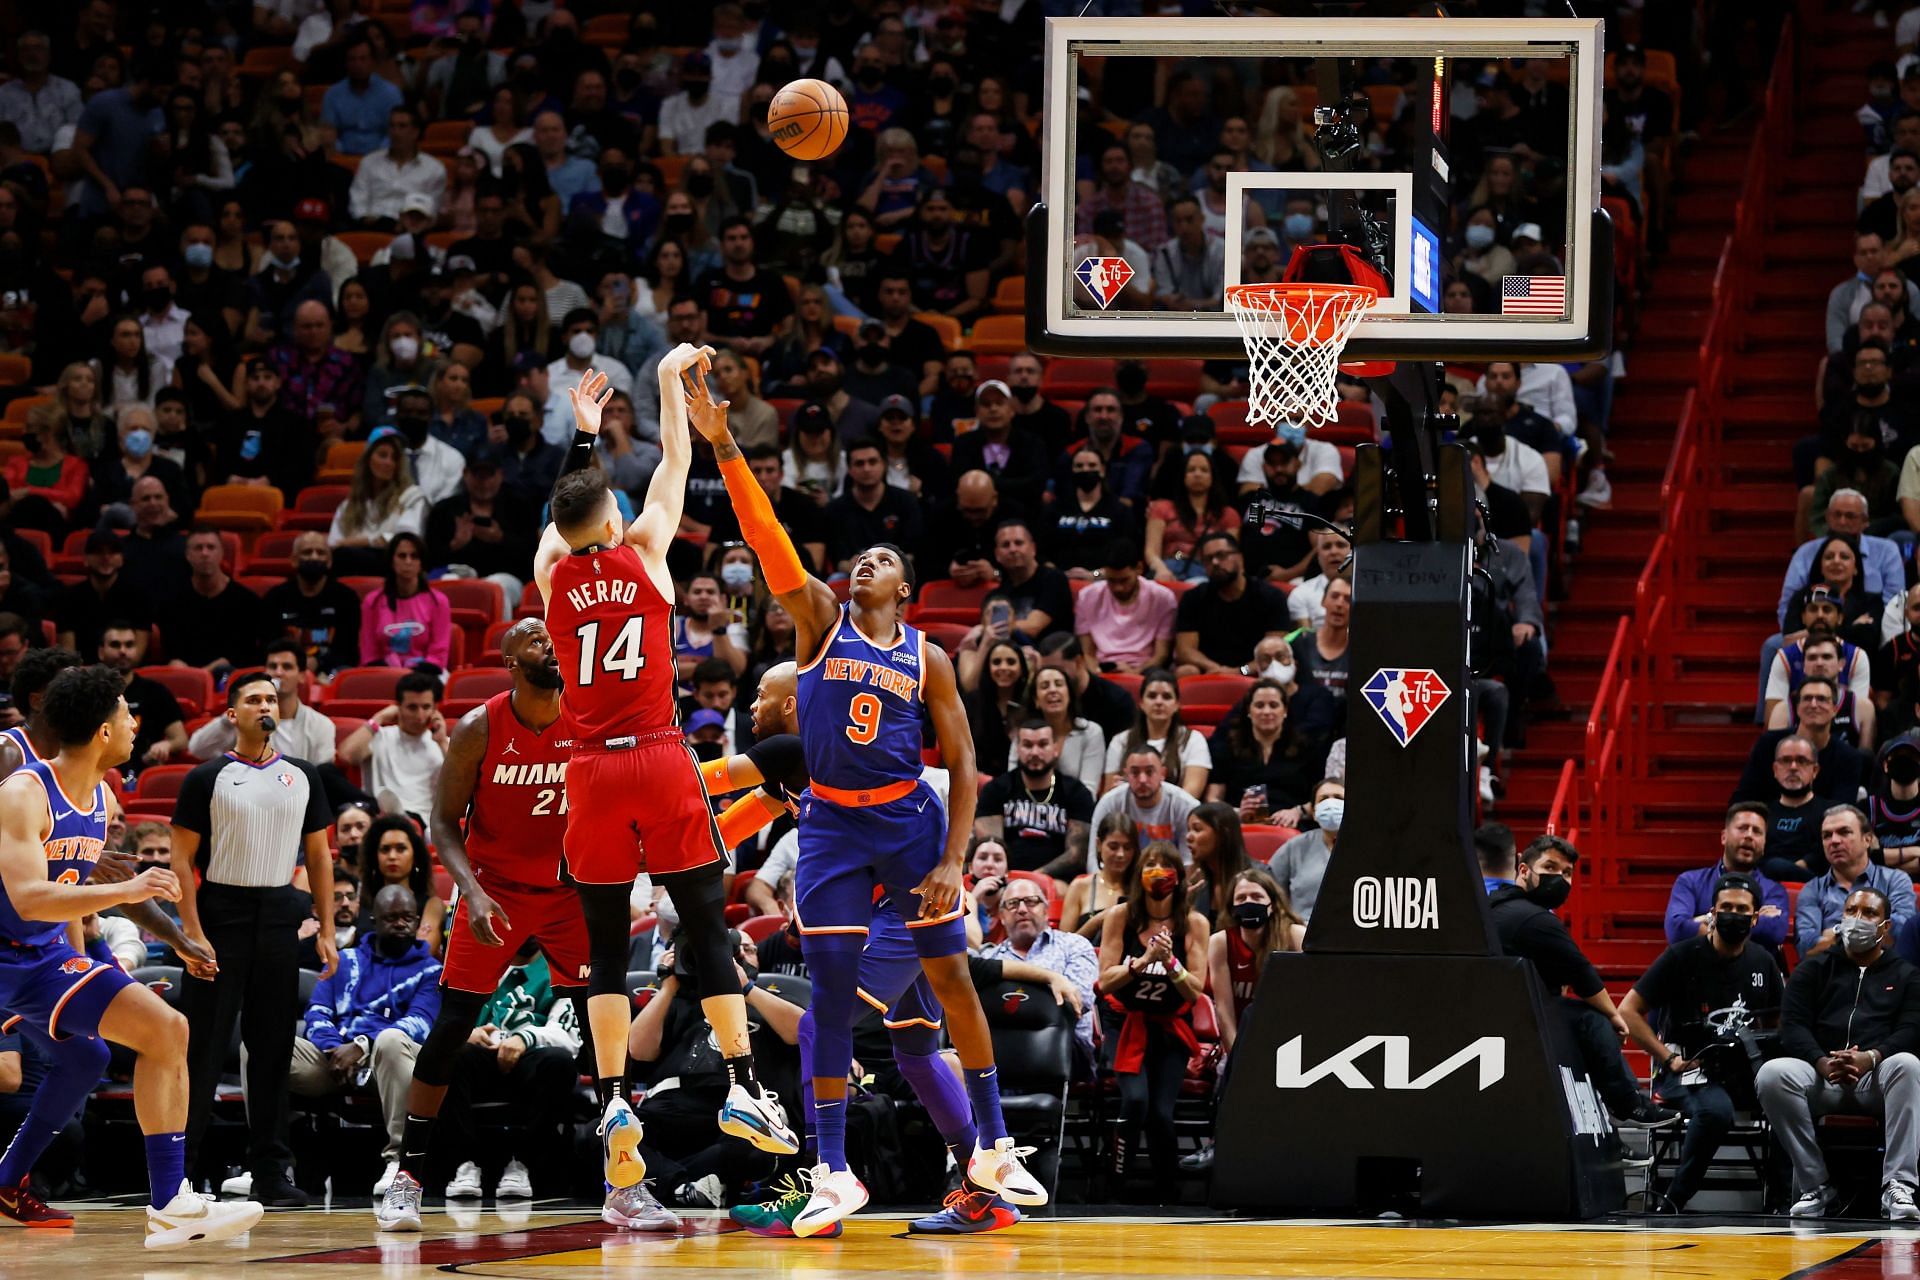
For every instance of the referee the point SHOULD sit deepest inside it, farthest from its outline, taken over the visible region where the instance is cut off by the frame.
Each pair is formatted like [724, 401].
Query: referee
[242, 822]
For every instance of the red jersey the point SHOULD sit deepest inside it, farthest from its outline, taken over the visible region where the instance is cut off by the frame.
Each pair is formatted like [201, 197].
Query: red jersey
[1241, 971]
[613, 634]
[518, 816]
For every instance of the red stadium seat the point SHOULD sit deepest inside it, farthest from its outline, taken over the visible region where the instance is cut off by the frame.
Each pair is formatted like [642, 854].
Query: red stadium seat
[1263, 841]
[738, 913]
[191, 687]
[162, 781]
[760, 928]
[478, 683]
[273, 552]
[477, 594]
[945, 593]
[738, 891]
[363, 683]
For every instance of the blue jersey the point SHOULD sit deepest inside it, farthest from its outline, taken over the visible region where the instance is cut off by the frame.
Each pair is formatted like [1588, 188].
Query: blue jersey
[18, 737]
[73, 847]
[860, 705]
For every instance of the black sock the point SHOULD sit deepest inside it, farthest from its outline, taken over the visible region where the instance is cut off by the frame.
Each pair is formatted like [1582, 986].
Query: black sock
[606, 1089]
[740, 1071]
[413, 1148]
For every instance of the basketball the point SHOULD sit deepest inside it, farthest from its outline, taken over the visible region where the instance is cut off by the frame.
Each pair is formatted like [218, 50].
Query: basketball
[808, 119]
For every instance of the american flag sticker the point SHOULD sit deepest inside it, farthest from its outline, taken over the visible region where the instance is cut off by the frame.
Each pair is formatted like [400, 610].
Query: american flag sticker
[1533, 295]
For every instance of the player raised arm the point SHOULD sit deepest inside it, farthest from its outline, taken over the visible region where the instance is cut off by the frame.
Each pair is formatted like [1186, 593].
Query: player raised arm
[466, 751]
[653, 530]
[24, 827]
[941, 888]
[589, 398]
[809, 600]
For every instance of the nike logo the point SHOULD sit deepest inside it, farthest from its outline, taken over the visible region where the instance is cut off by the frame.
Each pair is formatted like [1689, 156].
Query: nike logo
[846, 639]
[179, 1137]
[62, 817]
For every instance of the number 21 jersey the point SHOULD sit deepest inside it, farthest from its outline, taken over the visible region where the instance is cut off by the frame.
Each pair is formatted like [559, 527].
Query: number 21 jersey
[613, 634]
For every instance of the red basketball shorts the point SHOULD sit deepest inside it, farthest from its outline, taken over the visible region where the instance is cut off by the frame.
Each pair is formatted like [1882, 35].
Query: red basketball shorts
[638, 809]
[549, 914]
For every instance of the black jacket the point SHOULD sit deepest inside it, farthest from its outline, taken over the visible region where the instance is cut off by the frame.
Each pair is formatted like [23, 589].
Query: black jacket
[1832, 1003]
[1535, 934]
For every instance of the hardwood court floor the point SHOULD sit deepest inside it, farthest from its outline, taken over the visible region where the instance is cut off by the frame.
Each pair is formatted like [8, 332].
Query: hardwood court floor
[543, 1244]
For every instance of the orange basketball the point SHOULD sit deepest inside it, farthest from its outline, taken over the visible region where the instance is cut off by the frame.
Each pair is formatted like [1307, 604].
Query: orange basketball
[808, 119]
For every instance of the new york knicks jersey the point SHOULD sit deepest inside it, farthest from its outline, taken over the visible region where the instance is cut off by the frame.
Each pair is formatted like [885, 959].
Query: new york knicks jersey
[18, 737]
[73, 847]
[859, 708]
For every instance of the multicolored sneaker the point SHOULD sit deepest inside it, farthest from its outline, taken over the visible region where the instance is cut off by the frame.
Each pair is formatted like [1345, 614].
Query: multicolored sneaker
[998, 1168]
[775, 1217]
[20, 1207]
[754, 1112]
[620, 1138]
[967, 1210]
[634, 1209]
[836, 1194]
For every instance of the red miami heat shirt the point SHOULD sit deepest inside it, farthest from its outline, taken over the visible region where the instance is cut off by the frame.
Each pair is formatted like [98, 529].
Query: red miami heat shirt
[518, 815]
[613, 634]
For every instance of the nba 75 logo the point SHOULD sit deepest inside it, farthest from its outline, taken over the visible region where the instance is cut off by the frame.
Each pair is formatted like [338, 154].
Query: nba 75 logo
[1405, 699]
[1104, 278]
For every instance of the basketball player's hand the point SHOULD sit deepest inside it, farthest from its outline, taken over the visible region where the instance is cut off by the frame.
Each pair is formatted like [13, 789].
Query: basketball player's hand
[510, 1052]
[486, 919]
[154, 882]
[197, 955]
[115, 867]
[677, 361]
[709, 415]
[589, 398]
[940, 890]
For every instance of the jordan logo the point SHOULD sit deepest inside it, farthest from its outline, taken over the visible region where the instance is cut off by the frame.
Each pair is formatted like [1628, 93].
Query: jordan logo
[1104, 278]
[1405, 699]
[512, 748]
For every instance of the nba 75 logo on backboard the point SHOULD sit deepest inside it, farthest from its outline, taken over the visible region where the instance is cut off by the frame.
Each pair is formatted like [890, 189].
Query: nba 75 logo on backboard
[1104, 278]
[1405, 699]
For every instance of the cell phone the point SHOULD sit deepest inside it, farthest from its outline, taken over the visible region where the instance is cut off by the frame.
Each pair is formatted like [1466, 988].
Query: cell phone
[484, 520]
[1000, 617]
[1257, 795]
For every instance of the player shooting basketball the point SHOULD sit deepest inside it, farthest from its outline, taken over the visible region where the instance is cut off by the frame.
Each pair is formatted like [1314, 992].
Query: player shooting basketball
[869, 821]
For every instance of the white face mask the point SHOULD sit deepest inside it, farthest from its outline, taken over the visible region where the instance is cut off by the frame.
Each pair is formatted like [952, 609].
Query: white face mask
[1330, 812]
[405, 346]
[580, 346]
[1283, 672]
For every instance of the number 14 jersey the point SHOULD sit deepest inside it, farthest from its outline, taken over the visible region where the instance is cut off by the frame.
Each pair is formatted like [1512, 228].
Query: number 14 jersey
[613, 634]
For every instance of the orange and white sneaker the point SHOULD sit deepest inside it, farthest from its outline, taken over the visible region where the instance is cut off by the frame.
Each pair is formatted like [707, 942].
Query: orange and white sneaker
[836, 1194]
[620, 1139]
[998, 1168]
[20, 1207]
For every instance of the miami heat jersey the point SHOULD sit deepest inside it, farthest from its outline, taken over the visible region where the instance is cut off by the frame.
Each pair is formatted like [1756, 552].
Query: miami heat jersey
[73, 847]
[613, 634]
[859, 705]
[518, 815]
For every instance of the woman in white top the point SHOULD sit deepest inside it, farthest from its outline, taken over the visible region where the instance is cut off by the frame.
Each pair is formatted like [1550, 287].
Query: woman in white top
[1158, 724]
[129, 372]
[502, 130]
[382, 501]
[1083, 747]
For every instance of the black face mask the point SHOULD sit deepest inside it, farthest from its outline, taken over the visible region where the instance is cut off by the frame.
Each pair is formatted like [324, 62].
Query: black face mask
[1732, 927]
[1086, 481]
[414, 429]
[699, 185]
[1251, 915]
[1024, 395]
[677, 224]
[615, 177]
[825, 384]
[941, 86]
[311, 570]
[1796, 793]
[1131, 379]
[1550, 891]
[696, 89]
[519, 430]
[626, 81]
[157, 299]
[872, 354]
[392, 948]
[1904, 768]
[871, 77]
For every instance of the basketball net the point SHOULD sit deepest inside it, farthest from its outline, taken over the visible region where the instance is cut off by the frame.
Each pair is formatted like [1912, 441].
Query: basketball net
[1294, 334]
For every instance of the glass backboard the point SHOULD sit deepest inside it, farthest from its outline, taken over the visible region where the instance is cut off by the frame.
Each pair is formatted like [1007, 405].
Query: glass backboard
[1181, 156]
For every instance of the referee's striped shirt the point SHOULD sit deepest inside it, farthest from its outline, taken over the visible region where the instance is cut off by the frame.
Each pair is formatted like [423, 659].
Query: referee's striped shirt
[252, 819]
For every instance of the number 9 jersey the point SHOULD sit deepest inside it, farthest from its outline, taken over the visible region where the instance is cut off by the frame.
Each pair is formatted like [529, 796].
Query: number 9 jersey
[613, 635]
[860, 706]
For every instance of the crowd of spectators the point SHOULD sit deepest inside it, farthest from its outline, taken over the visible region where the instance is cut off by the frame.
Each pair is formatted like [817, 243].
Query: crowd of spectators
[353, 257]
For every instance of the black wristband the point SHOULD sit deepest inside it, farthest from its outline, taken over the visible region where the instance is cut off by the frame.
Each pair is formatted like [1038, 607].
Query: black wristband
[580, 453]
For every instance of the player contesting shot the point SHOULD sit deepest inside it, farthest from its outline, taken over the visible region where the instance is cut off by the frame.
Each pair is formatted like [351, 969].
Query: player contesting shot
[635, 798]
[868, 821]
[72, 1006]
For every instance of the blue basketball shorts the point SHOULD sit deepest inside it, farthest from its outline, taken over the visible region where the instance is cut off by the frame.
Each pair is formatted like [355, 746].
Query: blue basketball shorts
[55, 989]
[848, 853]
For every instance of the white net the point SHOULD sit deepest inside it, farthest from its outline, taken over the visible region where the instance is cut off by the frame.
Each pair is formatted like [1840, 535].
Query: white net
[1294, 335]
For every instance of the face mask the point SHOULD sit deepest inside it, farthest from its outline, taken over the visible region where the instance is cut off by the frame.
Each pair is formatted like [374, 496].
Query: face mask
[1251, 915]
[157, 299]
[1857, 935]
[1732, 926]
[1904, 768]
[1283, 672]
[678, 224]
[1159, 882]
[1298, 226]
[615, 177]
[279, 263]
[826, 384]
[580, 346]
[392, 948]
[1086, 481]
[404, 347]
[1131, 379]
[197, 256]
[138, 443]
[872, 354]
[1550, 891]
[696, 89]
[728, 44]
[518, 429]
[871, 77]
[1479, 235]
[1291, 433]
[626, 80]
[311, 570]
[414, 429]
[736, 576]
[699, 185]
[1329, 813]
[941, 86]
[1025, 395]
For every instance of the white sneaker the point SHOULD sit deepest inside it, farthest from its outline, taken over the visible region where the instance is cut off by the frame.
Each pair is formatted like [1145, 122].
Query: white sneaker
[634, 1209]
[705, 1192]
[756, 1115]
[194, 1219]
[1598, 491]
[386, 1179]
[466, 1183]
[514, 1183]
[240, 1186]
[837, 1194]
[620, 1141]
[998, 1169]
[399, 1208]
[1896, 1203]
[1486, 786]
[1815, 1203]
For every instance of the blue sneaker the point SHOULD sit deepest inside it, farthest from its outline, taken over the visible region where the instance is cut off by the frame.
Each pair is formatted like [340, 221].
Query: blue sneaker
[620, 1134]
[966, 1212]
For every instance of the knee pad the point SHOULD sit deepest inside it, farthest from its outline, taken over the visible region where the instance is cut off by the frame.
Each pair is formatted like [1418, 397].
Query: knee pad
[459, 1013]
[700, 897]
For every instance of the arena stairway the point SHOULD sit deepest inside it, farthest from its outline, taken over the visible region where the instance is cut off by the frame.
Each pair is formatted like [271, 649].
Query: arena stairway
[1700, 723]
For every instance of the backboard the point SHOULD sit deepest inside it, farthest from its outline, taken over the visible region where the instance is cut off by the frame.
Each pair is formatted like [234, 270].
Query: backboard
[1428, 126]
